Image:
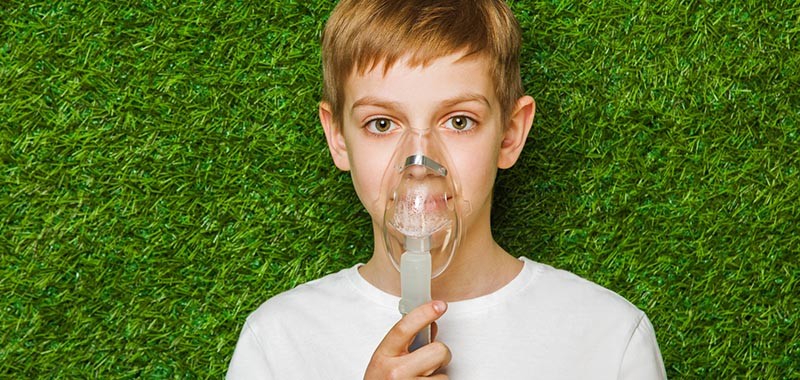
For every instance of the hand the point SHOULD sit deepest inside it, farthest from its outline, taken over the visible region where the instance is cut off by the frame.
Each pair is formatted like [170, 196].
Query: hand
[392, 360]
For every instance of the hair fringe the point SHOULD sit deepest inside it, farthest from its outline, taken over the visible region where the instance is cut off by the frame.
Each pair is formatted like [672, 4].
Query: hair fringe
[362, 35]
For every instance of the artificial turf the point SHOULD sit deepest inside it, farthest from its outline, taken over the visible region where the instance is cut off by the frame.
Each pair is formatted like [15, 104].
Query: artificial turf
[162, 173]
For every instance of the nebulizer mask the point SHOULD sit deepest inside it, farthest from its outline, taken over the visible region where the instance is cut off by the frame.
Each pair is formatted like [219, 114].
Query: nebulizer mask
[423, 214]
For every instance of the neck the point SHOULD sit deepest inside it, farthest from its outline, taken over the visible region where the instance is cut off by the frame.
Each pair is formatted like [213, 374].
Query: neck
[478, 268]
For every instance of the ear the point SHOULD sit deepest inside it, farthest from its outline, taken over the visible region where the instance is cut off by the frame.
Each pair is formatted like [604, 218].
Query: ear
[516, 132]
[334, 136]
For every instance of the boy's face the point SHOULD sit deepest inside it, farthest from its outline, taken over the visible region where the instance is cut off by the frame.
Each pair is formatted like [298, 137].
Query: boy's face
[452, 95]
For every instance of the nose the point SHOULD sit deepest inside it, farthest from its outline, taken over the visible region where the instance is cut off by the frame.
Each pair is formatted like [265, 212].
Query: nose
[421, 149]
[416, 172]
[420, 165]
[427, 162]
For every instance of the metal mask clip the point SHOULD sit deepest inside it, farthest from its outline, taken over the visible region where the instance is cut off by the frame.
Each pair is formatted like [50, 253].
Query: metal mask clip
[422, 160]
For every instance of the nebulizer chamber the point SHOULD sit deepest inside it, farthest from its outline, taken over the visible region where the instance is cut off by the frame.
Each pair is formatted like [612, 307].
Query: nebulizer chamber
[422, 224]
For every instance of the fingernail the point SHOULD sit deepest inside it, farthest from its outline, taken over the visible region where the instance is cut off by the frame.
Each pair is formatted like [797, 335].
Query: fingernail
[439, 306]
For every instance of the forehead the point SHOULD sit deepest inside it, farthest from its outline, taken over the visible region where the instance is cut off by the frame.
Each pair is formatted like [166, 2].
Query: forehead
[441, 79]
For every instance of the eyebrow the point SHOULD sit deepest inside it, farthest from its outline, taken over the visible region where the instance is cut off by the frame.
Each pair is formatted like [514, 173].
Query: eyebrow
[377, 102]
[469, 97]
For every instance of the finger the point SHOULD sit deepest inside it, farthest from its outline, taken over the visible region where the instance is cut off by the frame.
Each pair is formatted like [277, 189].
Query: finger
[430, 358]
[402, 333]
[438, 376]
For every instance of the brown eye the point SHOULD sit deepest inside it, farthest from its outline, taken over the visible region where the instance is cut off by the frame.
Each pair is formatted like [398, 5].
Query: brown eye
[380, 125]
[460, 123]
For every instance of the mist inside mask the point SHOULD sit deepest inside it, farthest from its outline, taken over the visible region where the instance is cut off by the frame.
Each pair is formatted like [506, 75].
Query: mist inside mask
[421, 215]
[420, 203]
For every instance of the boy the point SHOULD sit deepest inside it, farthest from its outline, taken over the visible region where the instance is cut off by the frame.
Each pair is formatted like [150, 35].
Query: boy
[449, 68]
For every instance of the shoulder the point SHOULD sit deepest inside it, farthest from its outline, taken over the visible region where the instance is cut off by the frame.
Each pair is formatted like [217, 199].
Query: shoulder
[296, 315]
[586, 312]
[570, 319]
[309, 296]
[569, 293]
[283, 334]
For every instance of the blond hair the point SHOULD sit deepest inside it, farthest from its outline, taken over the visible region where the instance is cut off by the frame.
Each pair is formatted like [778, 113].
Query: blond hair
[363, 34]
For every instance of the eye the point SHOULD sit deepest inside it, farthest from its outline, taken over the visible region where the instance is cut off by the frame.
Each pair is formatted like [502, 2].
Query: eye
[460, 123]
[380, 126]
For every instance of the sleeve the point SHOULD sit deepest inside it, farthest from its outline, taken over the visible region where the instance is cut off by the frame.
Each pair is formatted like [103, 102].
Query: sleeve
[642, 358]
[249, 360]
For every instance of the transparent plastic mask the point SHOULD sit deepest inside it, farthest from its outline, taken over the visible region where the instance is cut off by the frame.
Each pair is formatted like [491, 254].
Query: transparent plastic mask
[424, 207]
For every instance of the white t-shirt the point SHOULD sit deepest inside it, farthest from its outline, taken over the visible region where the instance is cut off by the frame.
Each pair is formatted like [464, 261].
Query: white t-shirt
[544, 324]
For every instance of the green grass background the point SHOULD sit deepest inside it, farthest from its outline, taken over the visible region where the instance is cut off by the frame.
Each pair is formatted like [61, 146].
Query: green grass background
[162, 173]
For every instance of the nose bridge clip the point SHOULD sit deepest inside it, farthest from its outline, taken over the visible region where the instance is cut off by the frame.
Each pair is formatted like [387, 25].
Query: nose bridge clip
[425, 161]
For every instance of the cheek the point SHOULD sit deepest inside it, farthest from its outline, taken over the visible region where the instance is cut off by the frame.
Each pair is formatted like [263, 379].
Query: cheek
[476, 171]
[477, 168]
[367, 166]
